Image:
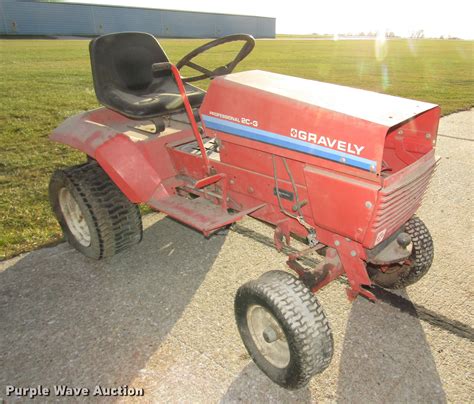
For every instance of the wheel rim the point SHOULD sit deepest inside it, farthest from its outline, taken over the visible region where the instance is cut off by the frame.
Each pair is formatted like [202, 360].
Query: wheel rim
[268, 336]
[74, 218]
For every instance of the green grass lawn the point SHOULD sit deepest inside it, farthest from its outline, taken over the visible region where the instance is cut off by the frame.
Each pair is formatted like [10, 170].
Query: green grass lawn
[44, 81]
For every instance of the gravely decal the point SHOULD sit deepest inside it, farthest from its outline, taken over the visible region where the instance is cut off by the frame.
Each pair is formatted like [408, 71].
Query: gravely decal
[326, 141]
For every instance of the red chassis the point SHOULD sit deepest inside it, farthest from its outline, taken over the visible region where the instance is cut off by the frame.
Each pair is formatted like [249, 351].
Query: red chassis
[376, 168]
[346, 169]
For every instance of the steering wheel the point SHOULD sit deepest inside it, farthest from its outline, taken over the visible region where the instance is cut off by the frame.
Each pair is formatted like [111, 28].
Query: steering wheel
[226, 69]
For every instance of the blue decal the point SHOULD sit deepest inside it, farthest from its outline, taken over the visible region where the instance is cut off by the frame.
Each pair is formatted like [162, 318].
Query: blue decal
[287, 142]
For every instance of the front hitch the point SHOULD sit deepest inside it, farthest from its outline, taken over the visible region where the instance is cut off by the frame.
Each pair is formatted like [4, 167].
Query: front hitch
[394, 249]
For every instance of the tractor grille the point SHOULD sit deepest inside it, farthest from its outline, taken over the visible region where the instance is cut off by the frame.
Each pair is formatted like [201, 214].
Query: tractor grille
[399, 202]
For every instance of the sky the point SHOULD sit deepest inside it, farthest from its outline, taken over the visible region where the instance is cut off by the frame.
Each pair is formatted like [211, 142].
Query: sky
[403, 17]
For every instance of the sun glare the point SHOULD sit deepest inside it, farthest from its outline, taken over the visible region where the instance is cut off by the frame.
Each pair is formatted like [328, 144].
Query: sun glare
[380, 46]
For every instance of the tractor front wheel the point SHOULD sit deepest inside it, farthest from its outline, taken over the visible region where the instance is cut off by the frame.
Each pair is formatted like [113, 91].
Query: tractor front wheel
[96, 217]
[398, 276]
[284, 328]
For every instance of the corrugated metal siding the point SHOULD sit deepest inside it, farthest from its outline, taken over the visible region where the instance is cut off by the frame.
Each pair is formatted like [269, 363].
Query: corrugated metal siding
[180, 24]
[33, 18]
[45, 19]
[233, 25]
[266, 28]
[111, 19]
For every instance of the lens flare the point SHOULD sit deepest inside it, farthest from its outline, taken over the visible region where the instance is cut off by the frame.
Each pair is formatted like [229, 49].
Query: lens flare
[380, 46]
[361, 68]
[412, 47]
[385, 77]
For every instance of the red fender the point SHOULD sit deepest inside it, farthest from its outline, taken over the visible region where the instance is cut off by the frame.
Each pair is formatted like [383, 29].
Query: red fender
[120, 157]
[124, 162]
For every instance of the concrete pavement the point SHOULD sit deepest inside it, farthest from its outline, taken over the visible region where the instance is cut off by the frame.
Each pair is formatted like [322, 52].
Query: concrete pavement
[160, 316]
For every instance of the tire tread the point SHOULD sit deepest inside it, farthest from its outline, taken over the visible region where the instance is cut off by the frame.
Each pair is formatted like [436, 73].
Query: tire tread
[307, 325]
[116, 219]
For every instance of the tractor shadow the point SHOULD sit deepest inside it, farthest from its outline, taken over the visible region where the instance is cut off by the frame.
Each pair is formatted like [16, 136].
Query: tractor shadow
[386, 357]
[66, 319]
[252, 386]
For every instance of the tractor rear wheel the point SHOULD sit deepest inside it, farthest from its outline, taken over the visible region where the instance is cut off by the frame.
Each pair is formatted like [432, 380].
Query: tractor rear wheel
[398, 276]
[284, 328]
[96, 217]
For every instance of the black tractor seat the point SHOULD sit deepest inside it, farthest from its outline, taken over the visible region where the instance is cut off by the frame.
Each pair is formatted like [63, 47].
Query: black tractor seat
[124, 80]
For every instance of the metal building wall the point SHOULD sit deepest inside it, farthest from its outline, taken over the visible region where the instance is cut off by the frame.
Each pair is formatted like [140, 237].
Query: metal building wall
[20, 17]
[25, 18]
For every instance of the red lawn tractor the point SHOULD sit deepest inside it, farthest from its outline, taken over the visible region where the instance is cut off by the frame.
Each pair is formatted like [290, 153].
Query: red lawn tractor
[342, 168]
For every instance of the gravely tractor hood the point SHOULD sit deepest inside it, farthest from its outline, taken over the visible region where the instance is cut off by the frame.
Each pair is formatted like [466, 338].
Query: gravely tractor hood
[335, 123]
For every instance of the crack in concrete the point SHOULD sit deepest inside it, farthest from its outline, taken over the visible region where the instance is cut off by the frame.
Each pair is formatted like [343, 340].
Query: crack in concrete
[457, 138]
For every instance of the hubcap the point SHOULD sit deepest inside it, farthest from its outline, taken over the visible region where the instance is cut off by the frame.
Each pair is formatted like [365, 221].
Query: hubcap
[268, 336]
[74, 219]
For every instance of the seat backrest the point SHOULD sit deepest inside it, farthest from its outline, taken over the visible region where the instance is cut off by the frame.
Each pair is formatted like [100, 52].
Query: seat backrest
[123, 61]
